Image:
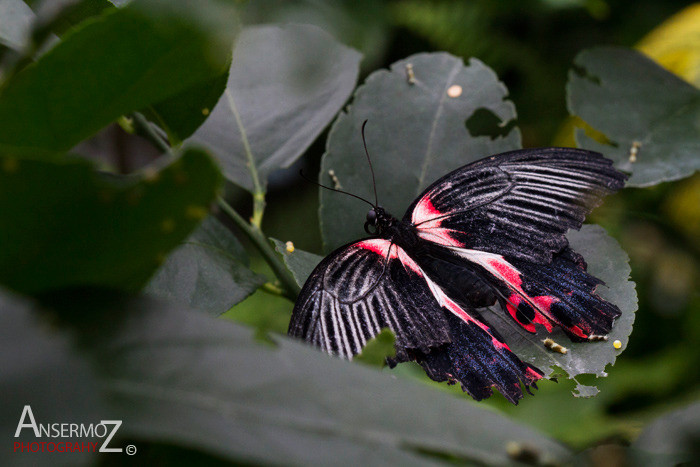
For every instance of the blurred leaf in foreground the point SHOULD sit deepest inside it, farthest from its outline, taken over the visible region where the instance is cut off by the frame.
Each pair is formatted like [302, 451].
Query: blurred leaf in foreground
[42, 369]
[66, 225]
[120, 62]
[185, 378]
[672, 439]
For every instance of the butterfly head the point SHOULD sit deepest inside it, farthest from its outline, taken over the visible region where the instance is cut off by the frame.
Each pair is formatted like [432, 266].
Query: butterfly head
[378, 220]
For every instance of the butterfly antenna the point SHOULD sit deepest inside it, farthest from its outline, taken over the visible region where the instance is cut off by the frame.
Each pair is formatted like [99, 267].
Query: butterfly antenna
[301, 172]
[371, 169]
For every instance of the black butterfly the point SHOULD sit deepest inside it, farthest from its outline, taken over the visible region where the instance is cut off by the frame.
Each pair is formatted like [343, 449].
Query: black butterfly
[490, 232]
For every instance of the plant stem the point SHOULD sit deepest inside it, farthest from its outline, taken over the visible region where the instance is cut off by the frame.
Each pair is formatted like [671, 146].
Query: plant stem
[144, 128]
[291, 288]
[258, 191]
[273, 289]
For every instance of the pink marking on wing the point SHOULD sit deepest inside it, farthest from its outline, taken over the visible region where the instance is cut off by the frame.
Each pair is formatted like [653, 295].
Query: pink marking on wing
[499, 345]
[544, 302]
[377, 245]
[540, 319]
[533, 374]
[385, 249]
[406, 260]
[578, 331]
[439, 235]
[424, 211]
[506, 271]
[456, 309]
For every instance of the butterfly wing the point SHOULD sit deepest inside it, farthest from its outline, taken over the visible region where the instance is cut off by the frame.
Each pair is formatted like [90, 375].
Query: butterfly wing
[358, 290]
[505, 218]
[517, 204]
[373, 283]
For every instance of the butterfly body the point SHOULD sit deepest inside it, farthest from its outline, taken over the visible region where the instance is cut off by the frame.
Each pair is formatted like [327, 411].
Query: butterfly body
[491, 232]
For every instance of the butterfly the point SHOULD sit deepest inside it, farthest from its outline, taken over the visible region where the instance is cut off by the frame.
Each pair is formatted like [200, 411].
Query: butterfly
[491, 232]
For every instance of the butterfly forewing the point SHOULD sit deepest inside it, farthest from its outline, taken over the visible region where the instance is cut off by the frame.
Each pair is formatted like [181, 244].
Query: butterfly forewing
[518, 204]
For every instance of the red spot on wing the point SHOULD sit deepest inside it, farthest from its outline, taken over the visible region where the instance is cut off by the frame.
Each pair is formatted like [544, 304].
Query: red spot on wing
[578, 332]
[543, 302]
[507, 272]
[533, 374]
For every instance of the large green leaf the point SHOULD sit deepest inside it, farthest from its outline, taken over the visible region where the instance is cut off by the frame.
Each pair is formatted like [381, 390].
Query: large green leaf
[40, 368]
[415, 134]
[181, 114]
[65, 225]
[285, 85]
[122, 61]
[208, 272]
[639, 107]
[607, 261]
[187, 379]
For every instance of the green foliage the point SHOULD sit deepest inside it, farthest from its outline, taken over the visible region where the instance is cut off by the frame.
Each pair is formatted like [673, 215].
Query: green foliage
[122, 61]
[378, 349]
[208, 272]
[225, 393]
[649, 115]
[87, 228]
[299, 262]
[285, 85]
[42, 368]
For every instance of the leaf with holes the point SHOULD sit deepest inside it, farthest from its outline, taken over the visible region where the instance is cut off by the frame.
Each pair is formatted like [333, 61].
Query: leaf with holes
[66, 225]
[208, 272]
[607, 261]
[649, 115]
[423, 123]
[285, 85]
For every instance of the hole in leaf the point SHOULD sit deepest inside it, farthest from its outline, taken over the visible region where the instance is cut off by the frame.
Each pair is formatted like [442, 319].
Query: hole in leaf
[583, 73]
[483, 122]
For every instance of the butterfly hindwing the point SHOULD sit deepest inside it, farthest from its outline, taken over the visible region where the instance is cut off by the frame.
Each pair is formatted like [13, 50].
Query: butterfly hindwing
[477, 364]
[565, 293]
[518, 204]
[371, 284]
[360, 289]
